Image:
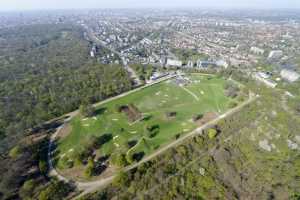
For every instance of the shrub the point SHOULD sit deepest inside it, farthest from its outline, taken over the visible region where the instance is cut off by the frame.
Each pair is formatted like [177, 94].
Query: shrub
[121, 179]
[87, 110]
[212, 133]
[138, 156]
[241, 98]
[27, 189]
[152, 130]
[15, 152]
[177, 136]
[89, 171]
[77, 158]
[131, 143]
[232, 104]
[197, 117]
[43, 166]
[119, 159]
[56, 190]
[104, 139]
[231, 90]
[171, 114]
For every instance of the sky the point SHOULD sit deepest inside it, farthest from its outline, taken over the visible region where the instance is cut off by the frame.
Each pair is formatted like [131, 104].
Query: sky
[78, 4]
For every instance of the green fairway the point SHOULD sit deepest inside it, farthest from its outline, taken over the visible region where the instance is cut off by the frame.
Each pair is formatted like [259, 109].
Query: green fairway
[203, 94]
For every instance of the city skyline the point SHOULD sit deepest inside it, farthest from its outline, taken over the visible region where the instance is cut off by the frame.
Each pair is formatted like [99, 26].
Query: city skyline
[88, 4]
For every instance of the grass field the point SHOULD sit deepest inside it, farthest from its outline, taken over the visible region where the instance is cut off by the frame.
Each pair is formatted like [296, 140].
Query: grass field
[204, 94]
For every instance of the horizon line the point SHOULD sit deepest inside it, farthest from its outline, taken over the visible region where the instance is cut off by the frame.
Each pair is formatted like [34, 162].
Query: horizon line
[151, 8]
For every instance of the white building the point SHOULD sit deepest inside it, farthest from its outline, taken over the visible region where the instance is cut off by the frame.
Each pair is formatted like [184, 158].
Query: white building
[289, 75]
[222, 63]
[175, 63]
[163, 60]
[260, 77]
[257, 50]
[190, 64]
[146, 41]
[264, 75]
[275, 54]
[92, 54]
[113, 37]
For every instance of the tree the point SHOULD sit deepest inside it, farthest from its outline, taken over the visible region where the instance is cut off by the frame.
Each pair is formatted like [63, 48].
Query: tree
[65, 162]
[118, 159]
[27, 189]
[15, 152]
[87, 110]
[212, 133]
[121, 179]
[295, 104]
[77, 157]
[43, 166]
[231, 90]
[171, 114]
[232, 104]
[55, 190]
[295, 196]
[103, 139]
[89, 171]
[152, 130]
[197, 117]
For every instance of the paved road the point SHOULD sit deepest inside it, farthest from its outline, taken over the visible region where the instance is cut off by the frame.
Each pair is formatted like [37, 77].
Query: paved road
[132, 73]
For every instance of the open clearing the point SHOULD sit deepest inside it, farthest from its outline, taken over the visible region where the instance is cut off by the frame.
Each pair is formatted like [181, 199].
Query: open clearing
[166, 108]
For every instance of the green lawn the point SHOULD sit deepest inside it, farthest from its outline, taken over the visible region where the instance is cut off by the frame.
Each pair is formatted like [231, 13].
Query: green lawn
[204, 94]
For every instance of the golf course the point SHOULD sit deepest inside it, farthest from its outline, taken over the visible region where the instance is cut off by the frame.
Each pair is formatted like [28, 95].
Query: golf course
[139, 123]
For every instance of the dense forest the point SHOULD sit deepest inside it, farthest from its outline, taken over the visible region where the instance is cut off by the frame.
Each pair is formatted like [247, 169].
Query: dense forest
[45, 72]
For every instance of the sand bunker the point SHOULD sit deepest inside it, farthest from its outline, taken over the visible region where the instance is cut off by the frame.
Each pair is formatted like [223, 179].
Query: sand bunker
[115, 137]
[116, 144]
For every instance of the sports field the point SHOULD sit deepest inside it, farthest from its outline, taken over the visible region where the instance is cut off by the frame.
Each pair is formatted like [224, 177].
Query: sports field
[164, 111]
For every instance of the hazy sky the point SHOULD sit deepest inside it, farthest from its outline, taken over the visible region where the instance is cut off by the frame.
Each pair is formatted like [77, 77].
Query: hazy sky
[69, 4]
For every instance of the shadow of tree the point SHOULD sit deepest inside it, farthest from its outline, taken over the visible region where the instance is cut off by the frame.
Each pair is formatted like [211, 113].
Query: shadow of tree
[138, 156]
[100, 111]
[132, 143]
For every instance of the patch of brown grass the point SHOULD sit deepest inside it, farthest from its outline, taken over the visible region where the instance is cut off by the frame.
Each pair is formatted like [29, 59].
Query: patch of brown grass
[206, 118]
[132, 112]
[65, 131]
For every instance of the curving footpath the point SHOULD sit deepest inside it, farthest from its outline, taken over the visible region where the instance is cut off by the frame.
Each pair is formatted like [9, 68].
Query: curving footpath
[92, 186]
